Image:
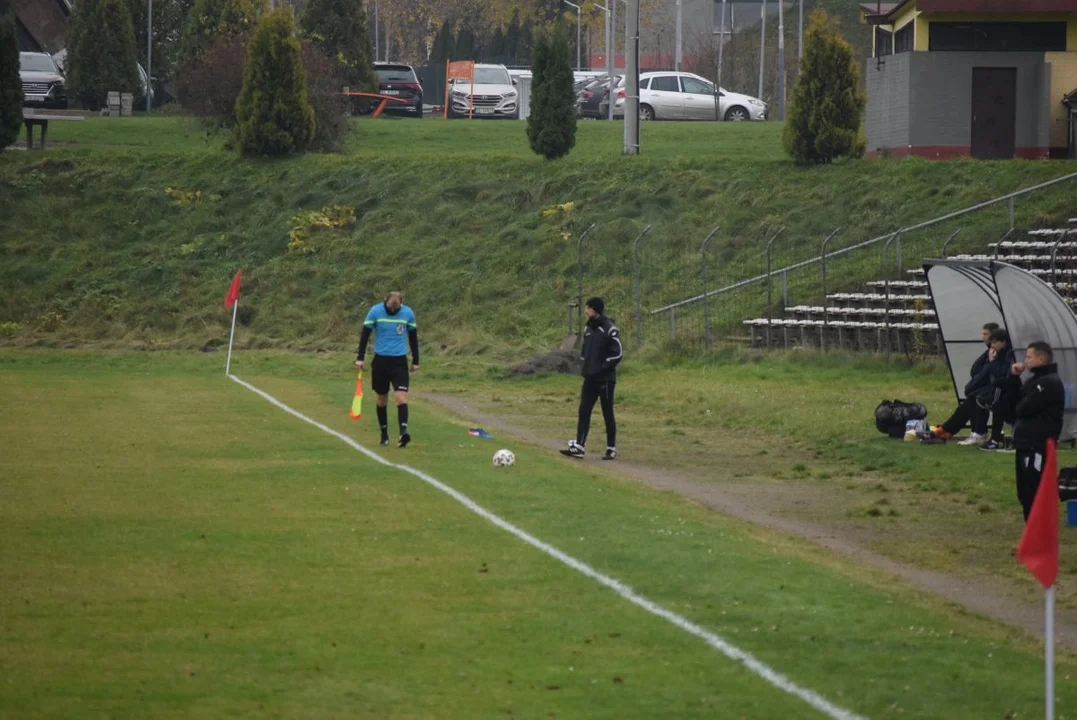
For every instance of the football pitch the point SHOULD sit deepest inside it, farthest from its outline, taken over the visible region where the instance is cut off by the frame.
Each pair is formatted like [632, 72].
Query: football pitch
[173, 543]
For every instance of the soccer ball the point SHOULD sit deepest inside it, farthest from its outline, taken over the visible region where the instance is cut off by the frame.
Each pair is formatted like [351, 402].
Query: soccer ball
[504, 458]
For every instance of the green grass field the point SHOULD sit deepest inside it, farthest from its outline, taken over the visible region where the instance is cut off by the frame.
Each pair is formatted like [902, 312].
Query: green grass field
[174, 545]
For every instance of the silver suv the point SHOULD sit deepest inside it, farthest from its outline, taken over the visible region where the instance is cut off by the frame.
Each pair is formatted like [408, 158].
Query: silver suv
[493, 95]
[42, 83]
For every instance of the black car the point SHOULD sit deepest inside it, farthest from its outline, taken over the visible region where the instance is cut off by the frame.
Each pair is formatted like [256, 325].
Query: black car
[42, 83]
[593, 99]
[402, 82]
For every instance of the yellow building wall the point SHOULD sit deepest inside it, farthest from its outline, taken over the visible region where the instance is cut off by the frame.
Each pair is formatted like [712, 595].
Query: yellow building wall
[1063, 81]
[920, 38]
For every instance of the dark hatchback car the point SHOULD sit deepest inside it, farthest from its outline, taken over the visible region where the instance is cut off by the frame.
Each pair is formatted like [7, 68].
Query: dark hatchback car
[402, 82]
[593, 99]
[42, 83]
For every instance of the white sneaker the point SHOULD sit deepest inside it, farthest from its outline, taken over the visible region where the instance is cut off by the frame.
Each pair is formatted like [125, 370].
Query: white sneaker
[974, 440]
[574, 450]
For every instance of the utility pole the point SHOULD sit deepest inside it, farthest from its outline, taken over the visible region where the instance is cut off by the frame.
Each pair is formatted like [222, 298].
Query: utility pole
[377, 34]
[800, 33]
[781, 62]
[572, 4]
[613, 37]
[762, 48]
[721, 46]
[632, 78]
[149, 57]
[609, 63]
[677, 53]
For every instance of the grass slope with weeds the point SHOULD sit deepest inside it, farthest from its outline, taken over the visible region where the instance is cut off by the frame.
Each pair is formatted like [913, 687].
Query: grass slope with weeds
[211, 555]
[127, 231]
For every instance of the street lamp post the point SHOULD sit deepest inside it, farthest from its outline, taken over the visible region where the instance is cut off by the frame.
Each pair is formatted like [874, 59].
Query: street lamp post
[149, 57]
[572, 4]
[679, 38]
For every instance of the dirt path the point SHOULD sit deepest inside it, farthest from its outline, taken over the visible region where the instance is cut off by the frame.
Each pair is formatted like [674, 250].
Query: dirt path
[978, 595]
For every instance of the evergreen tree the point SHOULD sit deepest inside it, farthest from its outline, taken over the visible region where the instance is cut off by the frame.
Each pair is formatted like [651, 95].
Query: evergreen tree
[212, 19]
[168, 19]
[10, 84]
[440, 53]
[512, 39]
[525, 46]
[495, 51]
[101, 54]
[551, 126]
[827, 103]
[339, 28]
[465, 45]
[273, 111]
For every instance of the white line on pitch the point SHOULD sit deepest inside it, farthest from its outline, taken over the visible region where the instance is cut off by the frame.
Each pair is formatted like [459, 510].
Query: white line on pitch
[734, 653]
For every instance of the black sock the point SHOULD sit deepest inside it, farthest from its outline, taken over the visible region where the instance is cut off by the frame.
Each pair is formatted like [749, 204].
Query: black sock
[402, 416]
[383, 420]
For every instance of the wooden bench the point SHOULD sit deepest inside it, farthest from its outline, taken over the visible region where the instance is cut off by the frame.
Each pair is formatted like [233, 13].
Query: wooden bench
[43, 122]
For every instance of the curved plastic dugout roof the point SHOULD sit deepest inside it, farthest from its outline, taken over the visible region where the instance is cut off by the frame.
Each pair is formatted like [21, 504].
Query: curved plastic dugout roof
[969, 294]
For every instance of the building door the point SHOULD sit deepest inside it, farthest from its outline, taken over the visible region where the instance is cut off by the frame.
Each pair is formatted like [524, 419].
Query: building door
[994, 113]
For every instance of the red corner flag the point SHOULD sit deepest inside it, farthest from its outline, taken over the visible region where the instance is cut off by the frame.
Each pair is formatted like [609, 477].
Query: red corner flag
[1038, 548]
[233, 292]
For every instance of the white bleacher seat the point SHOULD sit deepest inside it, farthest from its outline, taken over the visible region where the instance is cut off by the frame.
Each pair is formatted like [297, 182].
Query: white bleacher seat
[1053, 232]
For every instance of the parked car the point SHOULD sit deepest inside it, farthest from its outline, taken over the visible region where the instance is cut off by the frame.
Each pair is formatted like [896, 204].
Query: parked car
[43, 84]
[686, 96]
[400, 81]
[495, 94]
[146, 83]
[593, 100]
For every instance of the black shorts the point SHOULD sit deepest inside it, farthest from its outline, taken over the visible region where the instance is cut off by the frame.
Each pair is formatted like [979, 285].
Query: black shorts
[390, 369]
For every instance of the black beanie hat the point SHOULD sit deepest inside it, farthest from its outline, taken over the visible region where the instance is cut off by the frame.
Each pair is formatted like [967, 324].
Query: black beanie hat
[596, 304]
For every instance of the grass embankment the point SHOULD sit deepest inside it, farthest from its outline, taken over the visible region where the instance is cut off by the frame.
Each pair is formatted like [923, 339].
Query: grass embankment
[184, 548]
[127, 231]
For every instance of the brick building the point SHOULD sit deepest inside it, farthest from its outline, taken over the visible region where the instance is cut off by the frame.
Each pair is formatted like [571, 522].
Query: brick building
[980, 78]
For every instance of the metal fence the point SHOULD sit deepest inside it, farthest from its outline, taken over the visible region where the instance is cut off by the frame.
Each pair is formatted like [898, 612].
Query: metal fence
[696, 293]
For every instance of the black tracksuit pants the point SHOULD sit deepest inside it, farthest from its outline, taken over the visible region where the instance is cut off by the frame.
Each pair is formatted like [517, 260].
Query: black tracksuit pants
[1029, 469]
[970, 410]
[597, 390]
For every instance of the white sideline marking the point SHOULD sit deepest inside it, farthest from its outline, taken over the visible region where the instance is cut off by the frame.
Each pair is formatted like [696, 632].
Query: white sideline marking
[734, 653]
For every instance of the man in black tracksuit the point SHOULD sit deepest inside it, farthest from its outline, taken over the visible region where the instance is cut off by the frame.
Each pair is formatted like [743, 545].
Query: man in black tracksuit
[601, 353]
[1038, 408]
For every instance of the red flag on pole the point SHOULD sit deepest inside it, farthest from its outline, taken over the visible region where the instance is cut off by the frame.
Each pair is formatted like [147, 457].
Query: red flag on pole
[1038, 548]
[233, 292]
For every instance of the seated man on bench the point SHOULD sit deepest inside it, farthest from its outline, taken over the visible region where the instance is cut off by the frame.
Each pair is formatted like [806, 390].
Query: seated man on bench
[983, 395]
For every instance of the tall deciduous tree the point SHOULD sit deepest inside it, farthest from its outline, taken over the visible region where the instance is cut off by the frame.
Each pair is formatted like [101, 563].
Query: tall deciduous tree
[208, 20]
[168, 19]
[10, 84]
[339, 28]
[101, 54]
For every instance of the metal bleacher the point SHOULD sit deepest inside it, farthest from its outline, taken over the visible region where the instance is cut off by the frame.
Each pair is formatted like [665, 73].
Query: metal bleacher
[899, 314]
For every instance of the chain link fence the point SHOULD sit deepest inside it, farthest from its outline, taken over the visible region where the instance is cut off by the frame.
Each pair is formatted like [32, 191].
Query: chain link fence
[772, 289]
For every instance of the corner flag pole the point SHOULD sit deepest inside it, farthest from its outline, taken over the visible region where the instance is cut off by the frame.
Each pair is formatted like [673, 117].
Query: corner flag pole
[1049, 653]
[232, 300]
[231, 338]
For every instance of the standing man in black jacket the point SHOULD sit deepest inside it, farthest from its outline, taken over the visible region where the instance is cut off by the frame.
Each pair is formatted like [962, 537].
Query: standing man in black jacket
[601, 353]
[1038, 409]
